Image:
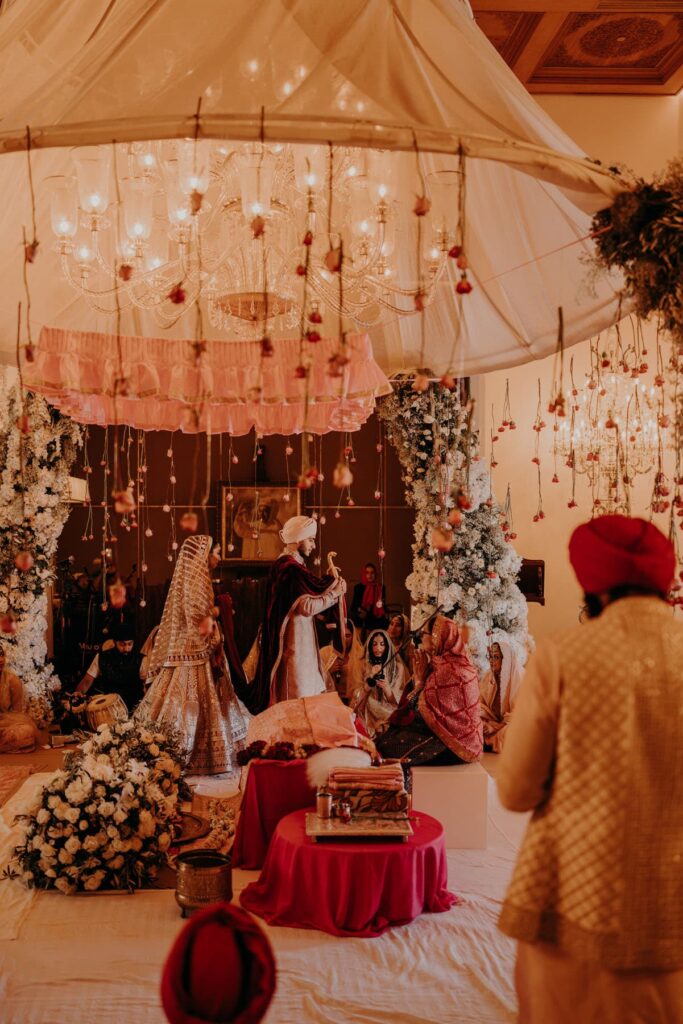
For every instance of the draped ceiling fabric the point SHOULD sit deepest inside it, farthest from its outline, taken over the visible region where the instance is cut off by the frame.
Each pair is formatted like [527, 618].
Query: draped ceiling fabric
[387, 72]
[232, 390]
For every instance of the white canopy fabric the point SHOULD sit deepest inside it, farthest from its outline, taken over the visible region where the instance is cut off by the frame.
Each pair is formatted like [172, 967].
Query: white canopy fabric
[387, 73]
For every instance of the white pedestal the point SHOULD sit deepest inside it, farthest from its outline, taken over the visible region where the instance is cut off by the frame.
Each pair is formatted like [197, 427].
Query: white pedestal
[457, 796]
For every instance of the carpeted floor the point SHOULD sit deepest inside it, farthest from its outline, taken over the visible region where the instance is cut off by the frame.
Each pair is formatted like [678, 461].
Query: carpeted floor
[98, 960]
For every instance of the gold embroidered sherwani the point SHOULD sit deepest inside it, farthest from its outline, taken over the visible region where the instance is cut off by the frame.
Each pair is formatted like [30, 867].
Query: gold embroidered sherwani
[596, 749]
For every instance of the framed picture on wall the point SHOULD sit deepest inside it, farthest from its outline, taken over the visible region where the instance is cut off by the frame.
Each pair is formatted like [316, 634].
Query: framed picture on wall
[252, 520]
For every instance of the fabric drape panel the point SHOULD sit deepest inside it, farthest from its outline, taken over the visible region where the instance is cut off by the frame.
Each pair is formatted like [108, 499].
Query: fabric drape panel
[274, 789]
[77, 371]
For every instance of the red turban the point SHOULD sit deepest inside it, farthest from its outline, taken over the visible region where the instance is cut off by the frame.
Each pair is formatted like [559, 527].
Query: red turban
[220, 969]
[615, 551]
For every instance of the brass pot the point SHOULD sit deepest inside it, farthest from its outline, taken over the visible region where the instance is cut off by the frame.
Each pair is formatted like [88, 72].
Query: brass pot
[204, 877]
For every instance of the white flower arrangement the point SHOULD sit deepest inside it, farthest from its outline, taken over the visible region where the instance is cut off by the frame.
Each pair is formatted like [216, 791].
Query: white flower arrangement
[476, 579]
[106, 820]
[33, 510]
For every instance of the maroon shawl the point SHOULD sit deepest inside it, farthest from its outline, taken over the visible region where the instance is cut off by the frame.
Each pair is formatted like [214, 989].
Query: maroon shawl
[449, 702]
[288, 580]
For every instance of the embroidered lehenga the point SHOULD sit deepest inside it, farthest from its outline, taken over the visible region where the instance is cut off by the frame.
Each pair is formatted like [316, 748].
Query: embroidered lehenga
[191, 690]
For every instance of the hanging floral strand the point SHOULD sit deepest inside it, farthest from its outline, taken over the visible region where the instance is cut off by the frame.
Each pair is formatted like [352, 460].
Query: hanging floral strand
[380, 497]
[170, 503]
[539, 424]
[458, 253]
[230, 499]
[124, 501]
[195, 413]
[307, 333]
[421, 208]
[339, 359]
[507, 522]
[87, 502]
[557, 399]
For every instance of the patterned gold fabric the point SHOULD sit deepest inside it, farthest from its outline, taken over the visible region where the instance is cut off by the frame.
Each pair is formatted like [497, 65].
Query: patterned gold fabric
[598, 729]
[189, 600]
[191, 690]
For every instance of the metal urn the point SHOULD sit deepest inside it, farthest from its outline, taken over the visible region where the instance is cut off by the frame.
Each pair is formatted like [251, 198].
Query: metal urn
[203, 877]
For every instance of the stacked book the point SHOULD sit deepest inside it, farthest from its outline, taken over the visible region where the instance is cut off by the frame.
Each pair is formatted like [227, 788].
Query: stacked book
[377, 791]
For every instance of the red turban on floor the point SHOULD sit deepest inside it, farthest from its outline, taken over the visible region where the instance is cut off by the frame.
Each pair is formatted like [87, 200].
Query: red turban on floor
[615, 551]
[220, 969]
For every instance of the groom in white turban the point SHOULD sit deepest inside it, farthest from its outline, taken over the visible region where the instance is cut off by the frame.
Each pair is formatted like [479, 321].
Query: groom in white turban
[289, 659]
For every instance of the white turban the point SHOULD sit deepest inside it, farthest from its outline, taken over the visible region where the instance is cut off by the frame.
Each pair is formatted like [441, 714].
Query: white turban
[298, 528]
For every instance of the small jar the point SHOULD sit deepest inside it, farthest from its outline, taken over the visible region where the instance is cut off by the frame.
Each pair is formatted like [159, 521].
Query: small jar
[323, 804]
[344, 811]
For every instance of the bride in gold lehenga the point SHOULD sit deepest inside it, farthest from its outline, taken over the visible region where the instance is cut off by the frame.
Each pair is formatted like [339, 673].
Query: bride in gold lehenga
[191, 689]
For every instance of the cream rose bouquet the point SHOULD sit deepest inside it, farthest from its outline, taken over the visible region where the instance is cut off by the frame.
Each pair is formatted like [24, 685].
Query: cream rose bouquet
[105, 822]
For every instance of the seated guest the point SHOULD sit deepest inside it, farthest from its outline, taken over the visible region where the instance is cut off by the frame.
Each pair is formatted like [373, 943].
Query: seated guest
[438, 721]
[18, 731]
[116, 670]
[384, 681]
[368, 605]
[400, 636]
[343, 672]
[498, 694]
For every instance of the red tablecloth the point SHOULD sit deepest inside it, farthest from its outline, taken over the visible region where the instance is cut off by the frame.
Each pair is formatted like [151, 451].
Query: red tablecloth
[274, 789]
[346, 888]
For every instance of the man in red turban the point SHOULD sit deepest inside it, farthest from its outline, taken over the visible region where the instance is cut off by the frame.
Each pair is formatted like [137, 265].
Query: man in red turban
[596, 898]
[220, 969]
[616, 555]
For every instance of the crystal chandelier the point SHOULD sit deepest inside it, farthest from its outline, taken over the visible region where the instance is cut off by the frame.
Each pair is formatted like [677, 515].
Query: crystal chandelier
[616, 428]
[136, 221]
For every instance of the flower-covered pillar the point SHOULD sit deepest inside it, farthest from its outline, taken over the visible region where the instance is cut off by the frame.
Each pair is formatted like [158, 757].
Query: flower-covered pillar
[462, 561]
[37, 449]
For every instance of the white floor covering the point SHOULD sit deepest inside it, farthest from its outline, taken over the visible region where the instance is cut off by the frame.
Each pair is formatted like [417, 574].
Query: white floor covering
[97, 959]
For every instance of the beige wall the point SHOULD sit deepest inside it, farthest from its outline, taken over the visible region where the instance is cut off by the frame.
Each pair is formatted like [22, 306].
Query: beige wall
[644, 133]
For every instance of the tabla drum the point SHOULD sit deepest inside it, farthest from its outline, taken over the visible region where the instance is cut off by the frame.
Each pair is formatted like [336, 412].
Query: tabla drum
[105, 709]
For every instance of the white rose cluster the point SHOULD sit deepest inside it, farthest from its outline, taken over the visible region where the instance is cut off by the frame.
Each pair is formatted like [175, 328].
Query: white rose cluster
[105, 821]
[35, 524]
[476, 579]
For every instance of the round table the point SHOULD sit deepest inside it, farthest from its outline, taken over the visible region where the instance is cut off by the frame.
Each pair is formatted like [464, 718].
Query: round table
[350, 888]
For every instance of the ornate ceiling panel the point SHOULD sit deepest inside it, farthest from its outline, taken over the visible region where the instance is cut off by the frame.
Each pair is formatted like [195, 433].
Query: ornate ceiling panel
[607, 46]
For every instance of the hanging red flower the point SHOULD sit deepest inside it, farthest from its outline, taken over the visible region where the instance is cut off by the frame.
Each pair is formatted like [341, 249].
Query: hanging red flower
[422, 206]
[177, 294]
[8, 624]
[342, 476]
[31, 251]
[23, 561]
[258, 225]
[189, 521]
[333, 260]
[442, 539]
[124, 501]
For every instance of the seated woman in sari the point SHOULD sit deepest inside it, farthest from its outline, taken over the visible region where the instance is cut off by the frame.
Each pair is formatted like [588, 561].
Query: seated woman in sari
[498, 693]
[18, 731]
[438, 721]
[400, 636]
[385, 680]
[343, 673]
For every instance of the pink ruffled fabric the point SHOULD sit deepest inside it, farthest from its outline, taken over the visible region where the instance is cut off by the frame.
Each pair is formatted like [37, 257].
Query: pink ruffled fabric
[76, 371]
